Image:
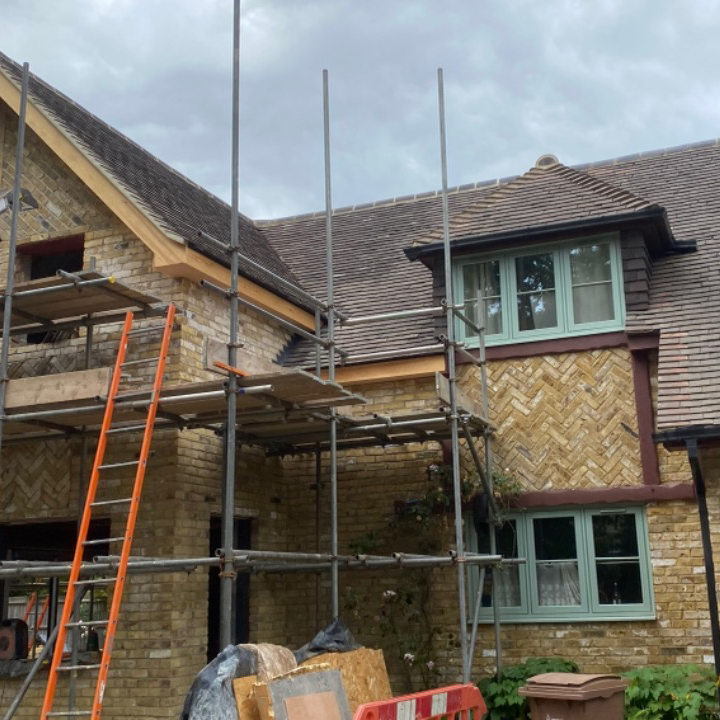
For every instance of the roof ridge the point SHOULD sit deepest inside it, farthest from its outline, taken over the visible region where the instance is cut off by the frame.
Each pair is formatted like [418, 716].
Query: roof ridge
[389, 202]
[669, 150]
[499, 181]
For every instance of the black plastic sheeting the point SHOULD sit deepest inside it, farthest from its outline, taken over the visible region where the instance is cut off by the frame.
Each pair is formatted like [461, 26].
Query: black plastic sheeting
[211, 695]
[334, 638]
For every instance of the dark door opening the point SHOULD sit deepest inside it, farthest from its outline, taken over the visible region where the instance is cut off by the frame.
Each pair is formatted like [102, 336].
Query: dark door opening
[43, 260]
[241, 611]
[51, 541]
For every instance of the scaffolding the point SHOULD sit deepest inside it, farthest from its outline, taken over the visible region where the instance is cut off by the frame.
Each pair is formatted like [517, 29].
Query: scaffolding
[285, 413]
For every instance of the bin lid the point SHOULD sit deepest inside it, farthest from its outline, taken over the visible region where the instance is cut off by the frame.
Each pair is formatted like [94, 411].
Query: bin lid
[573, 686]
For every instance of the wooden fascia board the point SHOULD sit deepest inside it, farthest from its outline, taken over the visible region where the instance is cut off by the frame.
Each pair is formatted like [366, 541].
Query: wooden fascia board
[405, 369]
[187, 263]
[99, 182]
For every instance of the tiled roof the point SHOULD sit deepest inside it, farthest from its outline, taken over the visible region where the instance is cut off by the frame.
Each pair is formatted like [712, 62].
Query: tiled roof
[175, 203]
[543, 196]
[685, 289]
[372, 275]
[371, 271]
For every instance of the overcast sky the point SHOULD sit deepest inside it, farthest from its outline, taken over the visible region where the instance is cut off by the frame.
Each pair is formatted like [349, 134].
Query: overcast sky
[583, 79]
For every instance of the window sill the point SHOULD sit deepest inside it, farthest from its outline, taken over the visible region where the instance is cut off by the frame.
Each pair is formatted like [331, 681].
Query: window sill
[581, 343]
[566, 620]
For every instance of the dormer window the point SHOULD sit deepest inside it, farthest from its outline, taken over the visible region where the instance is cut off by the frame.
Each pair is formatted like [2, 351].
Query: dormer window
[566, 289]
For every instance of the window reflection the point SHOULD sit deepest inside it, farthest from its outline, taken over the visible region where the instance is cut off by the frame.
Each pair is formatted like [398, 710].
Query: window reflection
[536, 304]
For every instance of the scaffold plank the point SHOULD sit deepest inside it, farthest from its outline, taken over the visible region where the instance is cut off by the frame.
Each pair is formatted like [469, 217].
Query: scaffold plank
[60, 299]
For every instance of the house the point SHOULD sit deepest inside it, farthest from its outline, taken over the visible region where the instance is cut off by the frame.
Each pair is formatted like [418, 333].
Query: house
[596, 286]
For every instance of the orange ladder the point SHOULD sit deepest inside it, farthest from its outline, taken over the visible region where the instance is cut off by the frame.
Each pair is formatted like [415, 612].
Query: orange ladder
[133, 502]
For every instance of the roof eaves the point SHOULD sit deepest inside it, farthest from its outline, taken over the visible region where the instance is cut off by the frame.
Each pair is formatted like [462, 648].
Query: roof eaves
[677, 437]
[654, 214]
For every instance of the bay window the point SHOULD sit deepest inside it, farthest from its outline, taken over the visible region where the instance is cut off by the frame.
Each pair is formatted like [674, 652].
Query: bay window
[573, 288]
[590, 564]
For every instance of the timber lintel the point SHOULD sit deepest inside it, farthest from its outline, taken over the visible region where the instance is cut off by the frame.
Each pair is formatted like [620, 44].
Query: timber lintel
[404, 369]
[606, 496]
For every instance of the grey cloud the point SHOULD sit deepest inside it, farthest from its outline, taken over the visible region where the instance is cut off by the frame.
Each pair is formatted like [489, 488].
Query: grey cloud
[584, 80]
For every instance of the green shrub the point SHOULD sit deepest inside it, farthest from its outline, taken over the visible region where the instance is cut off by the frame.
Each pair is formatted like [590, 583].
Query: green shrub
[501, 696]
[671, 692]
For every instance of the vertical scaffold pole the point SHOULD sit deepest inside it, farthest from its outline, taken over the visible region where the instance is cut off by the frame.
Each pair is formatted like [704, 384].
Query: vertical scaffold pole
[331, 349]
[492, 523]
[449, 296]
[227, 575]
[10, 286]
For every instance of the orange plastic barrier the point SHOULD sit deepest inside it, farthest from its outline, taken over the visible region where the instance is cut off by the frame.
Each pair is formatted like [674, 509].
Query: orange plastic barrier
[455, 702]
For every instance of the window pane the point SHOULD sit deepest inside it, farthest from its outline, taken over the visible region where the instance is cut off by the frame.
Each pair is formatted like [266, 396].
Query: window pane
[617, 559]
[555, 538]
[619, 582]
[615, 535]
[590, 264]
[508, 577]
[591, 278]
[558, 580]
[485, 278]
[535, 277]
[593, 303]
[535, 272]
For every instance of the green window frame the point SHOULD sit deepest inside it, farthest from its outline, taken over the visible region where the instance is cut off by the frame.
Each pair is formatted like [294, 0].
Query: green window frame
[581, 565]
[542, 292]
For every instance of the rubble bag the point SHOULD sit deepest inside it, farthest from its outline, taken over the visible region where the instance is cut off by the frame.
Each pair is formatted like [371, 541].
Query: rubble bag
[211, 695]
[334, 638]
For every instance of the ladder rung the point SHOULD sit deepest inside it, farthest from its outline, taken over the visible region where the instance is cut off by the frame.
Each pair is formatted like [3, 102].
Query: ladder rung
[87, 623]
[104, 541]
[143, 361]
[96, 581]
[122, 397]
[105, 503]
[119, 465]
[125, 428]
[145, 330]
[70, 668]
[69, 713]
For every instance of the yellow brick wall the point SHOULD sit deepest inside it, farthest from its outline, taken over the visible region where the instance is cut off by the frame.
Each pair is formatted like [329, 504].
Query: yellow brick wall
[566, 420]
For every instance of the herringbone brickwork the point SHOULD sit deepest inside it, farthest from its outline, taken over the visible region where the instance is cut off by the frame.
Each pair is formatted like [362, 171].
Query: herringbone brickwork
[564, 421]
[36, 480]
